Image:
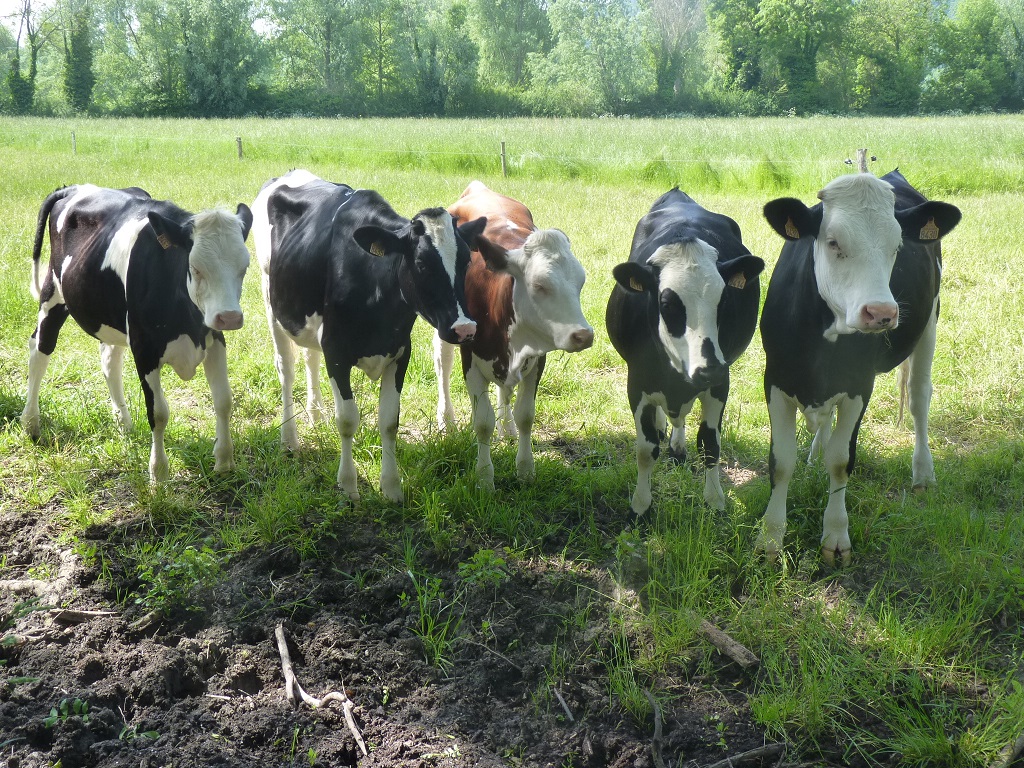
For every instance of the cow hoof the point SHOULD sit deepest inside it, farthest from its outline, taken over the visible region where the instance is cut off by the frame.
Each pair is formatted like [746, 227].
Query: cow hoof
[393, 493]
[227, 465]
[829, 555]
[676, 457]
[920, 489]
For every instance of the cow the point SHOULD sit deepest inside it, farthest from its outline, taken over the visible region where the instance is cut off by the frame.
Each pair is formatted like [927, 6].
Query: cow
[345, 275]
[523, 288]
[143, 274]
[855, 293]
[683, 309]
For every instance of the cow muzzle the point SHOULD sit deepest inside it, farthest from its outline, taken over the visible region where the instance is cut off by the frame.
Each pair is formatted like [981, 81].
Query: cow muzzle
[228, 321]
[464, 331]
[880, 316]
[580, 340]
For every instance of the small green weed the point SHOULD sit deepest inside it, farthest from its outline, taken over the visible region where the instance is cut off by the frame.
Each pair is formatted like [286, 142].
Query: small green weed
[65, 709]
[484, 569]
[168, 575]
[438, 623]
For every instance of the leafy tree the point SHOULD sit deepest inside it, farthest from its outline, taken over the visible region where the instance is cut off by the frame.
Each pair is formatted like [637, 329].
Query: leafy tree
[444, 57]
[35, 28]
[795, 31]
[735, 22]
[79, 78]
[507, 32]
[222, 54]
[672, 38]
[973, 74]
[316, 40]
[597, 63]
[385, 53]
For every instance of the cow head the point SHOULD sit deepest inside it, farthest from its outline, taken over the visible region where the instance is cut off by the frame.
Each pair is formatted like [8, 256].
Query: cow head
[857, 234]
[217, 260]
[546, 293]
[435, 257]
[685, 283]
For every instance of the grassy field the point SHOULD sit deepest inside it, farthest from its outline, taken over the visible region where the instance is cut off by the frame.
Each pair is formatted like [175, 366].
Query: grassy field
[913, 653]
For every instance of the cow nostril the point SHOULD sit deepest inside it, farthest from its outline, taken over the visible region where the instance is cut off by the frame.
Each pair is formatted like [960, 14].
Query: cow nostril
[583, 339]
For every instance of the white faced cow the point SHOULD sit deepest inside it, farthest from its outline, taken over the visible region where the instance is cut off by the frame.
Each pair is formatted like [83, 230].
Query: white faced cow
[141, 273]
[854, 294]
[345, 274]
[683, 310]
[523, 289]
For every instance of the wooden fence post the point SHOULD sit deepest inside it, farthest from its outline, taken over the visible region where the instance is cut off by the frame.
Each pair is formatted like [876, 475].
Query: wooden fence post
[504, 166]
[238, 141]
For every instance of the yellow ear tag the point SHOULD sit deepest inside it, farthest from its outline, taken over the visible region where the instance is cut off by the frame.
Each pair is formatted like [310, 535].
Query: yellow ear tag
[929, 231]
[791, 229]
[635, 285]
[164, 242]
[377, 249]
[738, 281]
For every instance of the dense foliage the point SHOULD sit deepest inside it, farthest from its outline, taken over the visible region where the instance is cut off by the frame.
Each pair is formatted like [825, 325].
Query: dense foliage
[502, 57]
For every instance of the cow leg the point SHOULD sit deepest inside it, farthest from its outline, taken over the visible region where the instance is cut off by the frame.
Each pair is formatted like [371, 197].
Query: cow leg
[387, 420]
[157, 413]
[781, 463]
[524, 412]
[112, 362]
[649, 432]
[677, 441]
[284, 362]
[920, 386]
[40, 347]
[506, 424]
[215, 366]
[483, 426]
[346, 417]
[444, 356]
[821, 425]
[315, 410]
[839, 456]
[709, 444]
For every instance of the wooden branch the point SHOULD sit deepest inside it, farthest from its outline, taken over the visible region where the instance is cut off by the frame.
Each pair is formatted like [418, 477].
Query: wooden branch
[69, 616]
[767, 752]
[659, 762]
[295, 693]
[1009, 754]
[726, 645]
[558, 695]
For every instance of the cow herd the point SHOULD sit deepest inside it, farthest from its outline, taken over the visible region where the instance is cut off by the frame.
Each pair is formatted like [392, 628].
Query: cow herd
[855, 293]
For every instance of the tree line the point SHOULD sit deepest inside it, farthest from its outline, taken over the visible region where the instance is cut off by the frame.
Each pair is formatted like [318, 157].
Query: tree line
[219, 58]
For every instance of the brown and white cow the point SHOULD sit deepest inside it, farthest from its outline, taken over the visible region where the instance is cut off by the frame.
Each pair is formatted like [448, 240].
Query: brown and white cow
[523, 289]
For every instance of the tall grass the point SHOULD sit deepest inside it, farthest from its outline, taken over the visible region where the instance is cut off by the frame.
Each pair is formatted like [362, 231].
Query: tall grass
[913, 653]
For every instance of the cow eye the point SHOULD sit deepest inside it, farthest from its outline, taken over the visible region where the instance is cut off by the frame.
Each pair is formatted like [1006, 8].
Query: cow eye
[540, 288]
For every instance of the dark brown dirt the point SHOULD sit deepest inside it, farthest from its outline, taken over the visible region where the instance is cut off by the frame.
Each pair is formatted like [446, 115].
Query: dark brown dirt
[203, 686]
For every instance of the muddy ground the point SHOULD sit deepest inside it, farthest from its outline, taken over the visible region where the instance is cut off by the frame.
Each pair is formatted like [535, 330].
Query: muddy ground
[203, 685]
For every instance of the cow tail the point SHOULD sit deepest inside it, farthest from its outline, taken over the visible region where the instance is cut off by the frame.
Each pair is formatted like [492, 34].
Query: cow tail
[902, 377]
[37, 246]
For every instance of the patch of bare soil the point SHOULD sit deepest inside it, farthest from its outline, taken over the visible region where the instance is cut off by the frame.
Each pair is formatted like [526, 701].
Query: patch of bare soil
[204, 687]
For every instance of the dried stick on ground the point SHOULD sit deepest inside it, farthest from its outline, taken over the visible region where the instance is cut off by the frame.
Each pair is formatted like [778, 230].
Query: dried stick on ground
[767, 752]
[726, 645]
[656, 740]
[1008, 755]
[295, 693]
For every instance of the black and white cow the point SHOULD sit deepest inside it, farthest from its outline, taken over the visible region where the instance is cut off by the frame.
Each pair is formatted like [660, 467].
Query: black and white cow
[145, 274]
[683, 310]
[855, 293]
[345, 274]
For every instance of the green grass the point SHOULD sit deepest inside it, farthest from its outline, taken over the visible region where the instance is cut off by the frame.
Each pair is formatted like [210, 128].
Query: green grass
[911, 653]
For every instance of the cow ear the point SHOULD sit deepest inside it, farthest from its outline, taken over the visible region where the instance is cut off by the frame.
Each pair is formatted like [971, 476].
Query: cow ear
[378, 241]
[472, 230]
[741, 270]
[634, 277]
[495, 257]
[929, 221]
[792, 219]
[244, 216]
[169, 232]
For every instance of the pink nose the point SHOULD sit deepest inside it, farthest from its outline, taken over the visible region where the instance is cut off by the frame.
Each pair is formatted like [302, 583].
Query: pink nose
[228, 321]
[880, 316]
[582, 339]
[465, 331]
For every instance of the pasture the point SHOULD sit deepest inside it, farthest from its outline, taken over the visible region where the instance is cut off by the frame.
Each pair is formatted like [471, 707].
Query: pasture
[537, 626]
